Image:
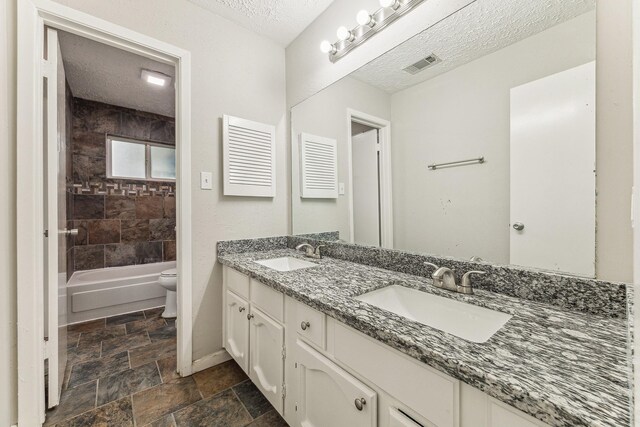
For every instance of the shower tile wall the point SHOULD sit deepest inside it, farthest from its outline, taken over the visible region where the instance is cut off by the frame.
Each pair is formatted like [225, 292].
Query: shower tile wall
[119, 222]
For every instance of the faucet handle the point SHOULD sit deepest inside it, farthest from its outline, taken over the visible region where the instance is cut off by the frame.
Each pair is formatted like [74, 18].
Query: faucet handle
[430, 264]
[466, 280]
[318, 252]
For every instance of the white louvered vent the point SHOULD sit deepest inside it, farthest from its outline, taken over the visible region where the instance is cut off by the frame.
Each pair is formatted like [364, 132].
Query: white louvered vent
[319, 167]
[249, 158]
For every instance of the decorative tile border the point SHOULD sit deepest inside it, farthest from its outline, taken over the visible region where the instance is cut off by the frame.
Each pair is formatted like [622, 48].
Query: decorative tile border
[123, 189]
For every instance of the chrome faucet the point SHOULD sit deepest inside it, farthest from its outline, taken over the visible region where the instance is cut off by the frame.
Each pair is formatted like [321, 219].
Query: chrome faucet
[444, 278]
[310, 251]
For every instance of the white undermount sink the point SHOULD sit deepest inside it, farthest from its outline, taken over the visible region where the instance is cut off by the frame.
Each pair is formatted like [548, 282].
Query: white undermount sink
[470, 322]
[286, 263]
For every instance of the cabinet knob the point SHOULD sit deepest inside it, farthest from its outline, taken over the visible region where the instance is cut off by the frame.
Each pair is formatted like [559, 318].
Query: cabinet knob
[518, 226]
[241, 309]
[249, 316]
[305, 325]
[360, 402]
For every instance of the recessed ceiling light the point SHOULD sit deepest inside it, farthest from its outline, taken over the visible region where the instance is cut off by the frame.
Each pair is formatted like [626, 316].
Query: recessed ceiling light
[155, 78]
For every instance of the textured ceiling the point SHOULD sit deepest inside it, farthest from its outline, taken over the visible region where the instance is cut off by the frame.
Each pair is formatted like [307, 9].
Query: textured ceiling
[279, 20]
[102, 73]
[479, 29]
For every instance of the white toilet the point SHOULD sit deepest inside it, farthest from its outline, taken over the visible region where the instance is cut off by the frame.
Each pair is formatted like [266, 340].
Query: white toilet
[168, 280]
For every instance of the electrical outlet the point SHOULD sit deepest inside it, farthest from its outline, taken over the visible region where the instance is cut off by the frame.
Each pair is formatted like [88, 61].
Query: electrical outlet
[206, 180]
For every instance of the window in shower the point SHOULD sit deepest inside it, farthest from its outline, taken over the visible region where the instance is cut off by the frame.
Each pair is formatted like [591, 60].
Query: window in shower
[143, 160]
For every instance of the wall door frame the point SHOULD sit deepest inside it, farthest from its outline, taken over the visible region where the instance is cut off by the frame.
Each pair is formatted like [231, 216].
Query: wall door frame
[386, 205]
[635, 197]
[33, 16]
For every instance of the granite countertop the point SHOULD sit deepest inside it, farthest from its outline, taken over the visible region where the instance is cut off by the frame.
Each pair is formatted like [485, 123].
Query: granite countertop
[563, 367]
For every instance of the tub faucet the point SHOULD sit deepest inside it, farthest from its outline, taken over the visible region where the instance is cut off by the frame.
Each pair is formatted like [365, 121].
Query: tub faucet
[310, 252]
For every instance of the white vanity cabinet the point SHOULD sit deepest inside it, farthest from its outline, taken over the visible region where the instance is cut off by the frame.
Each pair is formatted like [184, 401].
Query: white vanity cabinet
[319, 372]
[328, 395]
[266, 347]
[237, 329]
[253, 332]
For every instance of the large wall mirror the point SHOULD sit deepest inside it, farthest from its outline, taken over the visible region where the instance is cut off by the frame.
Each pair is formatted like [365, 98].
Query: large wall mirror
[475, 138]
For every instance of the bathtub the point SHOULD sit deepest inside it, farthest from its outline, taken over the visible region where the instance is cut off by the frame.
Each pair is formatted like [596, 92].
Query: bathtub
[94, 294]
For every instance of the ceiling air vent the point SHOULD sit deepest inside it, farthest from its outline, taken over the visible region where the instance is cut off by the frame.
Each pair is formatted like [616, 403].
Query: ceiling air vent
[422, 64]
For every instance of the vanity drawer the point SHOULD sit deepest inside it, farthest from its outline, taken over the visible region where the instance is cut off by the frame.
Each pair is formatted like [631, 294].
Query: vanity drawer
[430, 394]
[311, 325]
[268, 299]
[236, 282]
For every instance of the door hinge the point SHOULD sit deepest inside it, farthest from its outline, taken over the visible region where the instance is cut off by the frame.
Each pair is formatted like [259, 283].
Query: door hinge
[46, 233]
[284, 353]
[284, 390]
[46, 68]
[46, 349]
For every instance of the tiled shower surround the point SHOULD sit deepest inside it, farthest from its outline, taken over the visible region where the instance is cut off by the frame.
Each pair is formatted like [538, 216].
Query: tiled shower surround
[119, 222]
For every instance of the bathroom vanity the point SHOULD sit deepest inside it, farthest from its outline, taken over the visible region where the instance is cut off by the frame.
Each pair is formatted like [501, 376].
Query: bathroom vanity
[470, 147]
[324, 357]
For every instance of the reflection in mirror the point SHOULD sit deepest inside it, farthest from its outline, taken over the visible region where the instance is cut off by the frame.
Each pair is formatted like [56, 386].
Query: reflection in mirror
[504, 113]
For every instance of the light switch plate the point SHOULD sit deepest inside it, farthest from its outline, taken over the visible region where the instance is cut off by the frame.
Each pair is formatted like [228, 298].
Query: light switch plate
[341, 188]
[206, 180]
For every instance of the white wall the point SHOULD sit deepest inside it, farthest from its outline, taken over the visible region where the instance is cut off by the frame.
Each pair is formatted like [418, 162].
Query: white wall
[235, 72]
[614, 140]
[8, 362]
[309, 70]
[325, 114]
[462, 114]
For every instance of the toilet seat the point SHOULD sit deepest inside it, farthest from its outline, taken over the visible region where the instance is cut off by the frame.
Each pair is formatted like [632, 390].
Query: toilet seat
[173, 272]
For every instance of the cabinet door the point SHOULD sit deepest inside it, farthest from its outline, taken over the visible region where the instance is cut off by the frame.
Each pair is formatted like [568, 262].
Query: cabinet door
[329, 396]
[266, 361]
[237, 325]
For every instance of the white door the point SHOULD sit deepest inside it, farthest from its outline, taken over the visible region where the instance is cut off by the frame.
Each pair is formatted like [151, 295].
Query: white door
[366, 188]
[237, 333]
[329, 396]
[55, 220]
[552, 172]
[266, 345]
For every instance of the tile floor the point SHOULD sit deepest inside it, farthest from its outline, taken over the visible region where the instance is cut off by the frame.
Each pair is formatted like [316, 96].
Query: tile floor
[121, 372]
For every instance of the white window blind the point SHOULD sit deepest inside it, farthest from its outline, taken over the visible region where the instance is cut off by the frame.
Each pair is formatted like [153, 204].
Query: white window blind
[319, 167]
[249, 158]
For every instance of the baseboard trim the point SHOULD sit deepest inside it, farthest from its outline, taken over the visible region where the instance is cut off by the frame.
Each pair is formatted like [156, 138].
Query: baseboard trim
[210, 360]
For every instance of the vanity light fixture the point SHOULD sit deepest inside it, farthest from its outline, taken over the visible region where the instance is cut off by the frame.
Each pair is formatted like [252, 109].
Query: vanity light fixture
[368, 26]
[364, 18]
[344, 34]
[394, 4]
[155, 78]
[327, 47]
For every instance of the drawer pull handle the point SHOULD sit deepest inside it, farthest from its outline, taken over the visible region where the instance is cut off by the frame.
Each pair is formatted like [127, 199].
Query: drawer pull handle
[305, 325]
[249, 316]
[360, 403]
[241, 309]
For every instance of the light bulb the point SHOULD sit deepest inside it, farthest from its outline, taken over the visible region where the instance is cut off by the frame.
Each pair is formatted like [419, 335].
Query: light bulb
[343, 33]
[390, 3]
[363, 18]
[326, 46]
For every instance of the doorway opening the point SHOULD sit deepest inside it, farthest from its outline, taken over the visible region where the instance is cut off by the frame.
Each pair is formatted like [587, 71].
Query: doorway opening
[370, 207]
[365, 156]
[107, 160]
